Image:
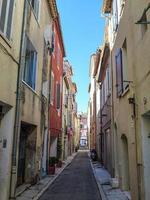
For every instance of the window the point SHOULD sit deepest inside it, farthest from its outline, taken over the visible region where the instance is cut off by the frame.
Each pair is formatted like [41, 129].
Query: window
[52, 89]
[30, 64]
[103, 92]
[35, 5]
[58, 56]
[53, 43]
[58, 96]
[6, 12]
[108, 79]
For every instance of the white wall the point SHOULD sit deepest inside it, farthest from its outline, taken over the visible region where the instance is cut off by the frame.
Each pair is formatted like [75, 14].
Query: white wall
[146, 154]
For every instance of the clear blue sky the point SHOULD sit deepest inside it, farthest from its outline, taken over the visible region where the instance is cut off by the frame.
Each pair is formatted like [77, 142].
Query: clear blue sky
[83, 32]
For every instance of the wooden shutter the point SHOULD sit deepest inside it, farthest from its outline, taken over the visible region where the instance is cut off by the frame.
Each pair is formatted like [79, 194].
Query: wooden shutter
[58, 96]
[119, 75]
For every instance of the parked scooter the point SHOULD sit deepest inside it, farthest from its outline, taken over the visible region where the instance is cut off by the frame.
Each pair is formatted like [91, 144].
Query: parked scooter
[93, 155]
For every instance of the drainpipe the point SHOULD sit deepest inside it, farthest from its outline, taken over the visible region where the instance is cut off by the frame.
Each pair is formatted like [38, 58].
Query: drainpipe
[13, 178]
[112, 116]
[50, 74]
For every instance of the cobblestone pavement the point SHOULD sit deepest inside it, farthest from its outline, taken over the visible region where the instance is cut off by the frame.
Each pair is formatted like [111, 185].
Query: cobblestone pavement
[75, 183]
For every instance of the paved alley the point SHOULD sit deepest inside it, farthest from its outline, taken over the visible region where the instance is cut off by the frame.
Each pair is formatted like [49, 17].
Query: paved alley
[75, 183]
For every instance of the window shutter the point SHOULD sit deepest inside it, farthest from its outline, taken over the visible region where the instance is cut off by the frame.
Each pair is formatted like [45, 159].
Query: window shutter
[119, 75]
[58, 96]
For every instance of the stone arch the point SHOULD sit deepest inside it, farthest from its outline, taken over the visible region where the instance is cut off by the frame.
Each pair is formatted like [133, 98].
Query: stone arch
[125, 163]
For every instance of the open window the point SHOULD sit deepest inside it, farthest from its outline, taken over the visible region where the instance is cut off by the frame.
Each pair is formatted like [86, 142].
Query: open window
[30, 64]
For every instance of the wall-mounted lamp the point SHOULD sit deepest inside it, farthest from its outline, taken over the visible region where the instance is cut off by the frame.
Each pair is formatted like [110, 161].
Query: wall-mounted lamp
[131, 100]
[143, 19]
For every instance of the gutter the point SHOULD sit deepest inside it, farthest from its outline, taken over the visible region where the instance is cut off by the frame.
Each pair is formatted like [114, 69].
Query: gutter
[13, 178]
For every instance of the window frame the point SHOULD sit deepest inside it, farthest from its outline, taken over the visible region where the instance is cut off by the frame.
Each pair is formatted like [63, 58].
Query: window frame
[37, 15]
[58, 55]
[119, 73]
[58, 103]
[34, 68]
[4, 32]
[52, 89]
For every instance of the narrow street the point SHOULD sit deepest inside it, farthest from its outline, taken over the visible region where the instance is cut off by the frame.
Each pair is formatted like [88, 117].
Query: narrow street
[75, 183]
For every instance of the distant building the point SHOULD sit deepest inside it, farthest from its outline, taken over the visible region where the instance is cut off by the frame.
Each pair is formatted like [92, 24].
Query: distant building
[83, 130]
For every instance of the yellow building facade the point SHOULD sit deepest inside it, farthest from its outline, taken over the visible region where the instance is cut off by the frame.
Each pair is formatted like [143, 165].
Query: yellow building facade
[129, 41]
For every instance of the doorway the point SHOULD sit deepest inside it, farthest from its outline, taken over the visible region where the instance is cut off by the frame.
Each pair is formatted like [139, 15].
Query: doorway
[125, 164]
[27, 151]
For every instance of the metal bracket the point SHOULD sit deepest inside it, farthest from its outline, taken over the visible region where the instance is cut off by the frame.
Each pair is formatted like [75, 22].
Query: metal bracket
[142, 20]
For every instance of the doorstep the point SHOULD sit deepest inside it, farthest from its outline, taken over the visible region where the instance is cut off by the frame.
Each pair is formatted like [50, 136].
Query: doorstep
[103, 179]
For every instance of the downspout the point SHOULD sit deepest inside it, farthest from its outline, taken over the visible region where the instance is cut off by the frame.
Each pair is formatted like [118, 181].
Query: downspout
[49, 102]
[112, 114]
[13, 178]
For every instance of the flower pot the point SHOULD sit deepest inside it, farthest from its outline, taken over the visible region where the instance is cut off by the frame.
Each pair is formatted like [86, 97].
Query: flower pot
[51, 170]
[59, 164]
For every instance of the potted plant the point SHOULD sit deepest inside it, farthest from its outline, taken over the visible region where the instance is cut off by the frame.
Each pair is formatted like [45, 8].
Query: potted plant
[52, 162]
[59, 152]
[59, 163]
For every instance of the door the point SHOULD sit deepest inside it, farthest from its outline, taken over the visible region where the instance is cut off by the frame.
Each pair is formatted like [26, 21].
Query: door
[22, 158]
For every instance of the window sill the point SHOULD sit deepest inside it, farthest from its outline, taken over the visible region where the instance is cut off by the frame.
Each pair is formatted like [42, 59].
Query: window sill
[8, 42]
[29, 87]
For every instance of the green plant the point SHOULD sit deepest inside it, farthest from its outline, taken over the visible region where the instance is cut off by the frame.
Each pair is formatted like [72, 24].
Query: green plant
[52, 161]
[59, 149]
